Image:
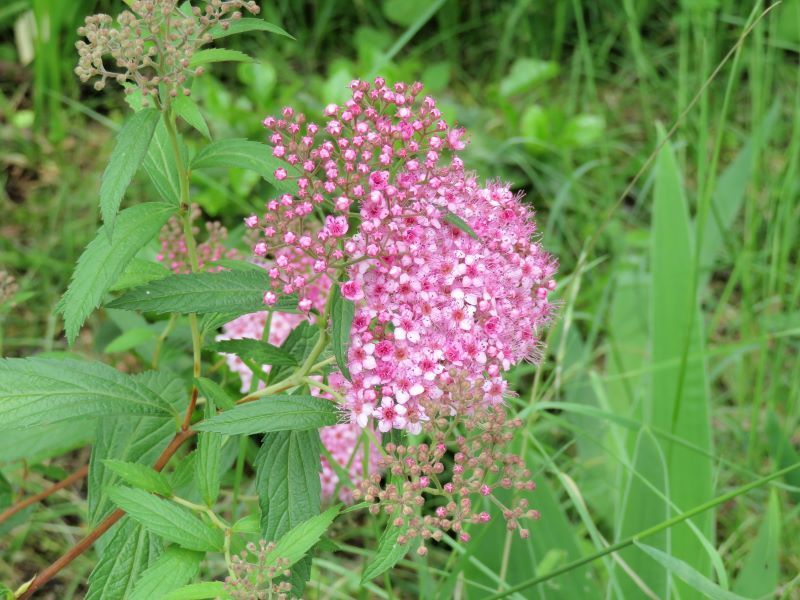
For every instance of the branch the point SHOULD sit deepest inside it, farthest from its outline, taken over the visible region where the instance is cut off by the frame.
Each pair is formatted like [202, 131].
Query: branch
[23, 504]
[81, 547]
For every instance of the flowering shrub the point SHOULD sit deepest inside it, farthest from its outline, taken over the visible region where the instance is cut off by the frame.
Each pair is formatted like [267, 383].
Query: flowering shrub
[386, 293]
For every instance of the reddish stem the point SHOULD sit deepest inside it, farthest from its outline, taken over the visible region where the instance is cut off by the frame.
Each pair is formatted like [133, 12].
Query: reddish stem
[81, 547]
[23, 504]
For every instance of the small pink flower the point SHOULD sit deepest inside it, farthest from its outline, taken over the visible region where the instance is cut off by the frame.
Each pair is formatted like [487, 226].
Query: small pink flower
[352, 290]
[280, 173]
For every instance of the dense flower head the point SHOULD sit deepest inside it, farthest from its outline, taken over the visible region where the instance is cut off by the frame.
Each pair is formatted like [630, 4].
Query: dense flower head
[175, 253]
[136, 58]
[447, 278]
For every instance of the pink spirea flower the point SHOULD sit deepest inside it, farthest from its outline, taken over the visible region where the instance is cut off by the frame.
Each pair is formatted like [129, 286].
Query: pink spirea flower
[342, 440]
[174, 253]
[434, 303]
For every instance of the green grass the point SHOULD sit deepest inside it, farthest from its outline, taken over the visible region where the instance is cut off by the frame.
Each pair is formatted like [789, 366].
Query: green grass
[672, 375]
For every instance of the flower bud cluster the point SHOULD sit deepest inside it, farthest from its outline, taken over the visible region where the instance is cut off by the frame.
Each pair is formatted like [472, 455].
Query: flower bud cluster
[255, 580]
[175, 253]
[8, 286]
[442, 487]
[153, 45]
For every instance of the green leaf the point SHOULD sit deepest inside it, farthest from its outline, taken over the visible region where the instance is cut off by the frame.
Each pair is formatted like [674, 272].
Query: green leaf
[234, 292]
[131, 440]
[130, 339]
[169, 520]
[388, 554]
[199, 591]
[129, 551]
[187, 109]
[161, 168]
[49, 441]
[760, 573]
[172, 570]
[214, 55]
[641, 508]
[129, 152]
[138, 272]
[299, 343]
[288, 487]
[256, 350]
[693, 578]
[527, 73]
[214, 393]
[461, 224]
[274, 413]
[140, 476]
[300, 539]
[207, 463]
[103, 261]
[242, 154]
[41, 391]
[342, 313]
[245, 25]
[679, 402]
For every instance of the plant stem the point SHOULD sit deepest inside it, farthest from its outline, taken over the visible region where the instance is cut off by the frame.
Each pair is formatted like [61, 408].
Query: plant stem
[645, 533]
[86, 543]
[23, 504]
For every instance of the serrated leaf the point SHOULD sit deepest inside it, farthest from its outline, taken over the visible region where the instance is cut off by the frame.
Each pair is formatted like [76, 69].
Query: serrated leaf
[245, 25]
[124, 557]
[273, 413]
[214, 393]
[172, 570]
[103, 261]
[171, 521]
[130, 339]
[289, 488]
[388, 554]
[689, 575]
[131, 440]
[140, 476]
[207, 463]
[187, 109]
[249, 524]
[299, 343]
[138, 272]
[242, 154]
[199, 591]
[214, 55]
[49, 441]
[300, 539]
[262, 353]
[342, 313]
[160, 165]
[129, 152]
[460, 223]
[233, 292]
[41, 391]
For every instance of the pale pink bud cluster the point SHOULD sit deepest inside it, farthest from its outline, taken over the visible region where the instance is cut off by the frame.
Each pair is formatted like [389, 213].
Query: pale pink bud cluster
[152, 45]
[175, 253]
[456, 474]
[446, 276]
[255, 575]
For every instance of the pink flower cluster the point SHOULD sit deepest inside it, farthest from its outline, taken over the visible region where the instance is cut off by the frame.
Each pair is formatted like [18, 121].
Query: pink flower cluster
[446, 276]
[343, 440]
[175, 254]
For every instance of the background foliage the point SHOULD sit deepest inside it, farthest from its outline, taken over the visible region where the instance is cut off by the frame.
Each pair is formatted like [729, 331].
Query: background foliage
[673, 374]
